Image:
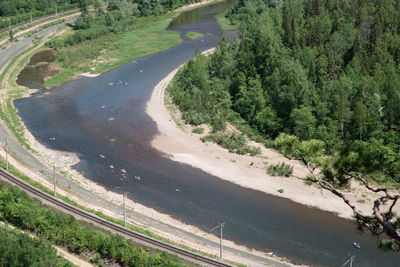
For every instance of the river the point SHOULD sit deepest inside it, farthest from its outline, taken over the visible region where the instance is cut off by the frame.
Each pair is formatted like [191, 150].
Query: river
[106, 116]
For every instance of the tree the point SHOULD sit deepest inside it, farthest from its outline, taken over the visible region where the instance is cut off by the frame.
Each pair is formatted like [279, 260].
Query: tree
[303, 122]
[341, 170]
[83, 6]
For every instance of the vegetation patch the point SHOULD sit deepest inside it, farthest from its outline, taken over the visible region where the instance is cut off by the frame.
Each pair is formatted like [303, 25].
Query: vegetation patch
[280, 169]
[19, 249]
[7, 79]
[226, 23]
[235, 142]
[64, 230]
[198, 130]
[194, 35]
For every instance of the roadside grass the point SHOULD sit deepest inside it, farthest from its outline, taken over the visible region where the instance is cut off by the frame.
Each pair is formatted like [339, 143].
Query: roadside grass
[194, 35]
[7, 111]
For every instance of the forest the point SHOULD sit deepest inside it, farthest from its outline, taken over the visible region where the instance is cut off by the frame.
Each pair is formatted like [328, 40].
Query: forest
[318, 80]
[54, 227]
[19, 249]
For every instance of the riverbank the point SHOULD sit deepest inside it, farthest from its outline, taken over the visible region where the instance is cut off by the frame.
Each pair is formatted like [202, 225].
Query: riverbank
[113, 50]
[65, 160]
[177, 140]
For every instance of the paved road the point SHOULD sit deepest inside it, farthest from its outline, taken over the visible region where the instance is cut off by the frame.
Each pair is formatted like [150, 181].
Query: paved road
[16, 27]
[5, 56]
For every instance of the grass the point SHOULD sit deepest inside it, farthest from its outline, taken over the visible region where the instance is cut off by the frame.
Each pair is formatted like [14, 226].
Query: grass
[7, 111]
[235, 143]
[113, 50]
[194, 35]
[280, 169]
[225, 23]
[198, 130]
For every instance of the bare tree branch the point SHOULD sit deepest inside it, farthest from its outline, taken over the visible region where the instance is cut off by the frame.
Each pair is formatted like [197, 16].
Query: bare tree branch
[376, 216]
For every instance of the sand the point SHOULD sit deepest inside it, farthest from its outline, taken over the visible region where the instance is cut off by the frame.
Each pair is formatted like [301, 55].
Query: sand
[183, 146]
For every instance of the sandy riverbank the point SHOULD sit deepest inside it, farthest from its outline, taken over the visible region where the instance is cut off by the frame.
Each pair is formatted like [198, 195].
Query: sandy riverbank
[183, 146]
[64, 161]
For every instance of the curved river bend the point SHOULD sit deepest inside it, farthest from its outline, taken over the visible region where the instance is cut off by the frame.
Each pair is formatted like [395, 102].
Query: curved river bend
[71, 113]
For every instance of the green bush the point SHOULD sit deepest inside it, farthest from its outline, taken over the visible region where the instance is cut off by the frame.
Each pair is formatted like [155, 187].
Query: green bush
[198, 130]
[236, 143]
[281, 169]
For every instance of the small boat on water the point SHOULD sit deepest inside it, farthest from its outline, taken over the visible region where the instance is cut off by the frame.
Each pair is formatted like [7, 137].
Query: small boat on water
[123, 170]
[111, 167]
[357, 245]
[110, 119]
[52, 139]
[102, 107]
[102, 156]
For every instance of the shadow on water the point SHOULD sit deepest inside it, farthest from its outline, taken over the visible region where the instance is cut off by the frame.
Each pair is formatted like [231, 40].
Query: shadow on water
[38, 68]
[79, 115]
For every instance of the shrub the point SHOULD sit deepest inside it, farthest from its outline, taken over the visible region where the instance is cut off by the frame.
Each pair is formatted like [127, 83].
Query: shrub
[280, 170]
[198, 130]
[236, 143]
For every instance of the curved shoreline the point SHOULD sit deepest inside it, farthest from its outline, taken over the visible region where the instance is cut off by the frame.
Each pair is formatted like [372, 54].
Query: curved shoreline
[66, 159]
[247, 171]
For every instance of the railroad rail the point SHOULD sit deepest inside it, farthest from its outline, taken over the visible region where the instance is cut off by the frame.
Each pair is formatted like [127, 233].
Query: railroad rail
[17, 26]
[113, 227]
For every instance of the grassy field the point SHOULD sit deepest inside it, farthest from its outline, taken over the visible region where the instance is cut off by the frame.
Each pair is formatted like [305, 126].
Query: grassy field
[194, 35]
[113, 50]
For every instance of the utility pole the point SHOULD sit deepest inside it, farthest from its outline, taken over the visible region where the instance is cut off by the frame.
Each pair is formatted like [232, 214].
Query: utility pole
[56, 7]
[221, 225]
[123, 204]
[6, 154]
[54, 177]
[30, 14]
[349, 261]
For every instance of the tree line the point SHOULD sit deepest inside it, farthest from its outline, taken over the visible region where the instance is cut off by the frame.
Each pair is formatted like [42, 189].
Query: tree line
[54, 227]
[319, 76]
[21, 10]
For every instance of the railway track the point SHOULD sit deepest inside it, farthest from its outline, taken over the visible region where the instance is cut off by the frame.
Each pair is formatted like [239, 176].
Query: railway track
[113, 227]
[17, 26]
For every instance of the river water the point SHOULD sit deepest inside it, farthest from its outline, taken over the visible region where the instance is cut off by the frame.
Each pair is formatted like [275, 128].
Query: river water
[106, 116]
